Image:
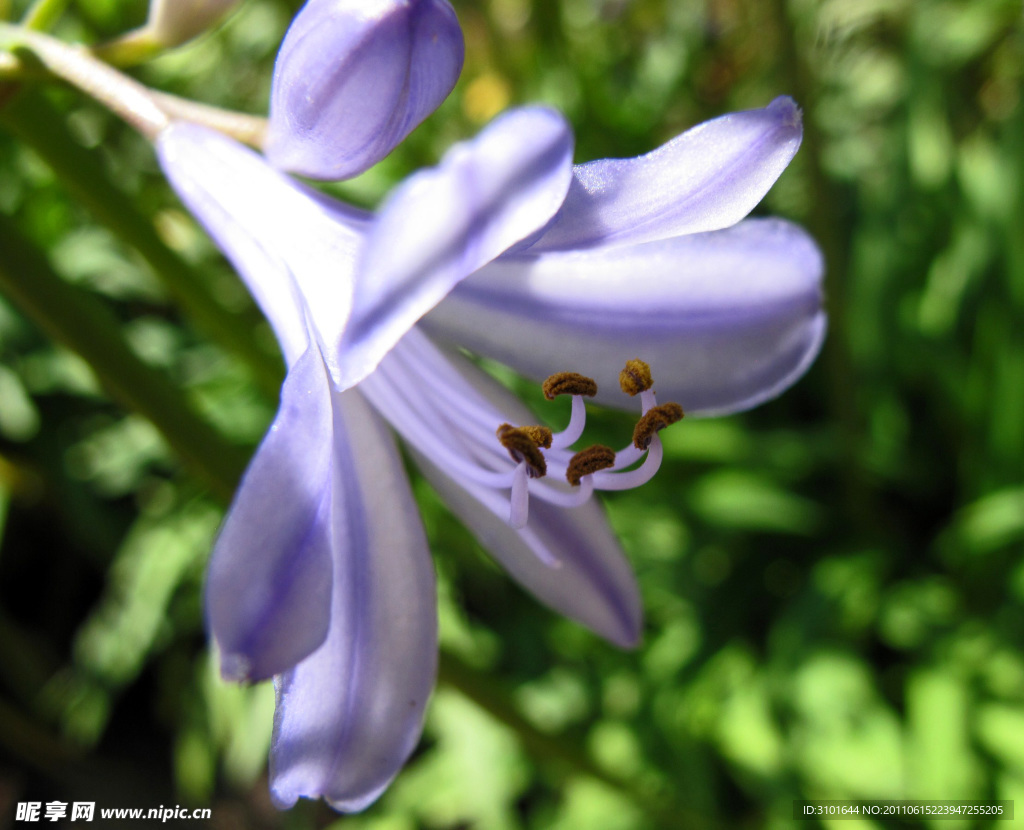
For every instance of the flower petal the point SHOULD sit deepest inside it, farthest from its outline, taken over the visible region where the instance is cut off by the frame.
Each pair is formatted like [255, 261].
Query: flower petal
[355, 77]
[708, 178]
[294, 248]
[593, 583]
[268, 585]
[444, 223]
[350, 714]
[726, 319]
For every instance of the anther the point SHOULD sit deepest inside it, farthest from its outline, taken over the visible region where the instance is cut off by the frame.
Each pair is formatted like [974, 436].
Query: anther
[654, 420]
[523, 446]
[636, 377]
[588, 461]
[568, 383]
[541, 436]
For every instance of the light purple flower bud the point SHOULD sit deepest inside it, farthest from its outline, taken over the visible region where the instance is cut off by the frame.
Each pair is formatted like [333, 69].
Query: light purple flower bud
[172, 22]
[355, 77]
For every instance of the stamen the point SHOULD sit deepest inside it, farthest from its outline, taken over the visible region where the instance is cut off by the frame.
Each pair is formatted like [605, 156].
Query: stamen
[636, 377]
[540, 435]
[629, 479]
[653, 421]
[568, 383]
[520, 443]
[577, 422]
[519, 509]
[589, 461]
[647, 401]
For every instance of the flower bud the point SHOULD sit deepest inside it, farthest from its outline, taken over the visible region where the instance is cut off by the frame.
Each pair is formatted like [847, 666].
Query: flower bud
[355, 77]
[175, 21]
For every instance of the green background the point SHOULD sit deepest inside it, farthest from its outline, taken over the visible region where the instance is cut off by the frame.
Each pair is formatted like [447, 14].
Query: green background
[833, 583]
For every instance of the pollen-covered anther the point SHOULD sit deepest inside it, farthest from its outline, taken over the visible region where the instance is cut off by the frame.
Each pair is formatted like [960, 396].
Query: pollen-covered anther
[654, 420]
[568, 383]
[636, 377]
[588, 461]
[523, 444]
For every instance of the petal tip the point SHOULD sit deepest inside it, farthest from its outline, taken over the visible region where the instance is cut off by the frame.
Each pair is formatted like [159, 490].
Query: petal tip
[282, 801]
[629, 636]
[236, 668]
[787, 111]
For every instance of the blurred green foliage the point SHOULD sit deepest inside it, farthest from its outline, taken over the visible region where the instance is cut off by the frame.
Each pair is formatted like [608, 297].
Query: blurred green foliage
[834, 583]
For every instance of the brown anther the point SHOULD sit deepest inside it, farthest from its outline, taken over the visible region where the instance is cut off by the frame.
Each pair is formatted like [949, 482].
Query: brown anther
[590, 460]
[568, 383]
[655, 420]
[540, 435]
[636, 377]
[522, 446]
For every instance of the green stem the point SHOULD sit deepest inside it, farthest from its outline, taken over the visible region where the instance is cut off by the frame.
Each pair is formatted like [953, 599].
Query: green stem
[826, 226]
[42, 128]
[249, 129]
[82, 323]
[117, 92]
[43, 14]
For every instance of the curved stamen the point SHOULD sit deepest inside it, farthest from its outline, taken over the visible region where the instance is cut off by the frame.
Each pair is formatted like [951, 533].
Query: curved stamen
[519, 508]
[589, 461]
[627, 457]
[421, 425]
[560, 497]
[653, 421]
[577, 421]
[443, 375]
[452, 422]
[606, 480]
[647, 401]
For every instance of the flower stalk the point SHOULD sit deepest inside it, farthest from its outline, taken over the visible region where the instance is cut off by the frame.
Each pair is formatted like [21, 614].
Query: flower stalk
[120, 94]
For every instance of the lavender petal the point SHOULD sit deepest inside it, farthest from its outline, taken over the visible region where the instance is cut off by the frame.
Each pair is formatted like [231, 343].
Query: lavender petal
[353, 78]
[349, 715]
[268, 584]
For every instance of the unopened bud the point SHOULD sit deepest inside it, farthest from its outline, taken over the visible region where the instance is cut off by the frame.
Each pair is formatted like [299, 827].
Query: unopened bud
[355, 77]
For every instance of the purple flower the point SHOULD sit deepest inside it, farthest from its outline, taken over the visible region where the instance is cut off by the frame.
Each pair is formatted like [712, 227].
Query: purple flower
[321, 574]
[355, 77]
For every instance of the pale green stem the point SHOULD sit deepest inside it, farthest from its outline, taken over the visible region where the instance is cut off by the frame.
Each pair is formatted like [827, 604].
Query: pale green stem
[42, 14]
[145, 109]
[120, 94]
[249, 129]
